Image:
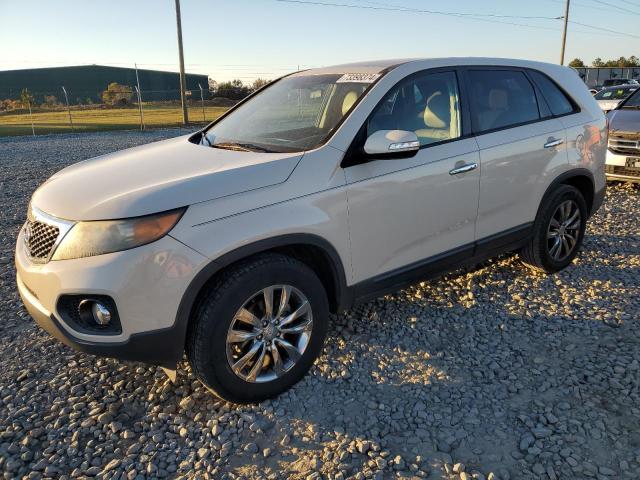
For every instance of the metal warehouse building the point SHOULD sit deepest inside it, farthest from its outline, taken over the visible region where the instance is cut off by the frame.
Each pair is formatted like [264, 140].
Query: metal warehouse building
[89, 81]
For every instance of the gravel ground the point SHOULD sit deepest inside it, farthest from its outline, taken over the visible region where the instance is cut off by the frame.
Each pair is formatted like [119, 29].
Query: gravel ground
[492, 374]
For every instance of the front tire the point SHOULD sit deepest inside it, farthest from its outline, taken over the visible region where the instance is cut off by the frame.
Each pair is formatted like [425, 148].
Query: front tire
[258, 329]
[558, 231]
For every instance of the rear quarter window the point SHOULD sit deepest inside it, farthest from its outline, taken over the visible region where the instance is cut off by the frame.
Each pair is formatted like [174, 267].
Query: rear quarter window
[558, 102]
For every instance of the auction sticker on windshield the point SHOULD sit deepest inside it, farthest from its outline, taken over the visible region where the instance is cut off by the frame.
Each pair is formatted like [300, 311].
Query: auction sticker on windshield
[358, 78]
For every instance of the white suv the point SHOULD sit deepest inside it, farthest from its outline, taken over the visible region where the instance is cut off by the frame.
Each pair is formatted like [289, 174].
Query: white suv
[325, 188]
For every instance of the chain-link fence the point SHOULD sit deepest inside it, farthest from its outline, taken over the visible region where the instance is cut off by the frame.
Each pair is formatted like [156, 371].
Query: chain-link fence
[595, 76]
[60, 110]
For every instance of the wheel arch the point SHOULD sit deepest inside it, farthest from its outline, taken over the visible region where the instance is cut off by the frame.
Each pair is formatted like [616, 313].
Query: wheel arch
[311, 249]
[580, 178]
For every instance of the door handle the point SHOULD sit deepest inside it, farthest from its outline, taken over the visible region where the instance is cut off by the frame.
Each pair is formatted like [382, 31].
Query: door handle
[553, 143]
[464, 168]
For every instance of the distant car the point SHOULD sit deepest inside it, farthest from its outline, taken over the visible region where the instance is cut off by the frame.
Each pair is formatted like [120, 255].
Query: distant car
[609, 98]
[623, 154]
[615, 82]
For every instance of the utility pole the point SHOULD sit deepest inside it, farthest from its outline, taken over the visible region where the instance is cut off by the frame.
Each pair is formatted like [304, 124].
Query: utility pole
[33, 130]
[183, 99]
[139, 98]
[66, 98]
[204, 117]
[564, 33]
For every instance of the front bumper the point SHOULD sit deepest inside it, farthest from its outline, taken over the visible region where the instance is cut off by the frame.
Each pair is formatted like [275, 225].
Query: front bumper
[158, 347]
[146, 283]
[622, 167]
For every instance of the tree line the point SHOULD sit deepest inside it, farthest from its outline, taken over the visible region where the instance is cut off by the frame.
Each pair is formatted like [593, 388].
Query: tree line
[621, 62]
[235, 89]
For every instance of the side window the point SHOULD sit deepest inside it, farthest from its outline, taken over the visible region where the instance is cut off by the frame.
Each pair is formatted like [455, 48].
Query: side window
[501, 98]
[427, 104]
[558, 101]
[545, 111]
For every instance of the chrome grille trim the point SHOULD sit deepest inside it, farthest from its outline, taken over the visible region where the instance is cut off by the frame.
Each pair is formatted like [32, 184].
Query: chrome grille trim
[42, 234]
[627, 171]
[624, 145]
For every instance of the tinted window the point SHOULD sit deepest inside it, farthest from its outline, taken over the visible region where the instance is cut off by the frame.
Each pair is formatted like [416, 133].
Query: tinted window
[633, 101]
[545, 112]
[427, 104]
[615, 93]
[614, 81]
[557, 101]
[501, 98]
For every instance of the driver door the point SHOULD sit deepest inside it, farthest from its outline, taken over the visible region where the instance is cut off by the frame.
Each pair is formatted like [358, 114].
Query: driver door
[406, 214]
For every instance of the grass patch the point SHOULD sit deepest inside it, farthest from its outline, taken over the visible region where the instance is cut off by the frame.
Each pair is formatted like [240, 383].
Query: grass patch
[97, 119]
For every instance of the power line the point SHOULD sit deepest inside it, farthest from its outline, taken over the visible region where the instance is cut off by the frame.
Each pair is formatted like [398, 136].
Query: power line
[386, 7]
[623, 9]
[413, 10]
[600, 7]
[581, 4]
[470, 16]
[604, 29]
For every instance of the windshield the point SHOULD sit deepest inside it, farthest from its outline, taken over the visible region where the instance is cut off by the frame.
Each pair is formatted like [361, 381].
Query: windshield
[633, 101]
[294, 114]
[615, 93]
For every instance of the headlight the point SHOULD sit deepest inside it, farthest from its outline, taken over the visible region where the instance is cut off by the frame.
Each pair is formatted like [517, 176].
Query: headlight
[86, 239]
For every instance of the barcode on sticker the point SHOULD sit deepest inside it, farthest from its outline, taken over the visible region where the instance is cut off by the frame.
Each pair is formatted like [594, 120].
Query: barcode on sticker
[358, 78]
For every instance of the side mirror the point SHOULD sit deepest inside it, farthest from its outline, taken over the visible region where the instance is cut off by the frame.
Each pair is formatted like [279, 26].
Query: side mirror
[392, 144]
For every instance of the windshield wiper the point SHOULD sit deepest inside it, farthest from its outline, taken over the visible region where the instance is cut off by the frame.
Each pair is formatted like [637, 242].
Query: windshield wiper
[634, 107]
[241, 147]
[231, 146]
[254, 147]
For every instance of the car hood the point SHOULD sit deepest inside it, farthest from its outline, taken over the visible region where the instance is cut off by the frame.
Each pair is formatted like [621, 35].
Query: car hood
[624, 121]
[157, 177]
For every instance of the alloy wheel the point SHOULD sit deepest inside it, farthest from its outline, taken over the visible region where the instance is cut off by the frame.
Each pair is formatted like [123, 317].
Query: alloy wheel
[563, 230]
[269, 333]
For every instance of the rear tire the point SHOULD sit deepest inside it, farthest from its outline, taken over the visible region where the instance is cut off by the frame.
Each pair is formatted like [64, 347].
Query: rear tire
[557, 231]
[239, 343]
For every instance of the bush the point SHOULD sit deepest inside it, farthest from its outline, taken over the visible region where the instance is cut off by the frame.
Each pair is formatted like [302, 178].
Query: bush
[117, 95]
[8, 105]
[50, 101]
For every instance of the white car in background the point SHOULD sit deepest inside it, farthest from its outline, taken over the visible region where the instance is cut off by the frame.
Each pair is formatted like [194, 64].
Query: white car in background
[623, 155]
[325, 188]
[609, 98]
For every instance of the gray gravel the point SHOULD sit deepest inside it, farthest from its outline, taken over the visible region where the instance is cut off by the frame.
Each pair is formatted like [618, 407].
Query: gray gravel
[492, 374]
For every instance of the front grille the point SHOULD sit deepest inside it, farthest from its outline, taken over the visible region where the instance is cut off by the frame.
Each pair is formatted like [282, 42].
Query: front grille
[40, 238]
[625, 144]
[627, 171]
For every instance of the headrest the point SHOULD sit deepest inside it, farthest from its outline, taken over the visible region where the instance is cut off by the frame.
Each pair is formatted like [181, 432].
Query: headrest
[437, 113]
[349, 99]
[498, 99]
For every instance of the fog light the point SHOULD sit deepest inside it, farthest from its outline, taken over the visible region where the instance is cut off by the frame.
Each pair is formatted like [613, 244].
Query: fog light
[95, 311]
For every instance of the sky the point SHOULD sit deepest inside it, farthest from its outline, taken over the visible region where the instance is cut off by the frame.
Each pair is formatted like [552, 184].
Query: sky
[247, 39]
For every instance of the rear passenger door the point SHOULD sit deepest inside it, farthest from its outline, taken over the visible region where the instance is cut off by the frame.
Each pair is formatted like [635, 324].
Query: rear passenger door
[585, 135]
[522, 148]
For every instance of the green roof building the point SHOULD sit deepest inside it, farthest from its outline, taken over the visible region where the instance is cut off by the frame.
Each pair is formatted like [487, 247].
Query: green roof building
[89, 81]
